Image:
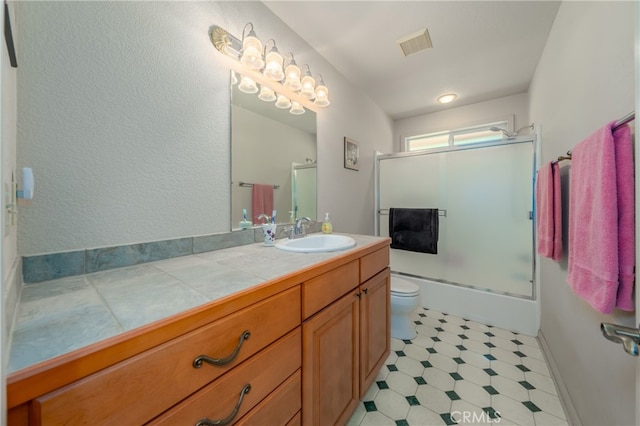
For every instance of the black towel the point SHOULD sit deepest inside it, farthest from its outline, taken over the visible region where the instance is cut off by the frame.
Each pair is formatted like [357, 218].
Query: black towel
[414, 230]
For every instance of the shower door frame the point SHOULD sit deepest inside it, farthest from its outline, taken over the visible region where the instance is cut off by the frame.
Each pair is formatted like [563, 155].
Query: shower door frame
[532, 139]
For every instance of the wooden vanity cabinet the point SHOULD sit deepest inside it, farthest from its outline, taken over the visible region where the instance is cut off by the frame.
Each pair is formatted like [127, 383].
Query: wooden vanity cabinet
[317, 339]
[346, 342]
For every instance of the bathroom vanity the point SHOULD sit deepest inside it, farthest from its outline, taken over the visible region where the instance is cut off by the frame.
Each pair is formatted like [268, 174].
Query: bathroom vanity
[299, 348]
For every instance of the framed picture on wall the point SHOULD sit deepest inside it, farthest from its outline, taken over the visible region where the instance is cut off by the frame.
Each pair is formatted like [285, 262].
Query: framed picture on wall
[351, 154]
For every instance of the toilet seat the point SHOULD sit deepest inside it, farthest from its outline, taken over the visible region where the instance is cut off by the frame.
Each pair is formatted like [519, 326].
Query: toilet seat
[403, 288]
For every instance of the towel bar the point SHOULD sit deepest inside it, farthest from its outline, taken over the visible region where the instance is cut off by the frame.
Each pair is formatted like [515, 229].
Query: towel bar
[441, 213]
[246, 184]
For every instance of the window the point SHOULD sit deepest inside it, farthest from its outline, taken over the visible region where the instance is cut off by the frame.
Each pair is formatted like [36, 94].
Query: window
[466, 136]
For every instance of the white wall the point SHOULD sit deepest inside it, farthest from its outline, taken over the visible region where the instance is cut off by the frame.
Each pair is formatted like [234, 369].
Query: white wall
[585, 79]
[123, 113]
[516, 107]
[348, 194]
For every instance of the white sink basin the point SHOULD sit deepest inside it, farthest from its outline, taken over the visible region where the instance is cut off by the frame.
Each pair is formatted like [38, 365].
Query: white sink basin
[318, 243]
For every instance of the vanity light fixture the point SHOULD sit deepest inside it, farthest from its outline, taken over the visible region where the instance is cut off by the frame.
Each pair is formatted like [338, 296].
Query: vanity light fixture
[296, 108]
[268, 68]
[308, 85]
[283, 102]
[266, 94]
[292, 75]
[247, 85]
[445, 99]
[322, 93]
[273, 67]
[251, 49]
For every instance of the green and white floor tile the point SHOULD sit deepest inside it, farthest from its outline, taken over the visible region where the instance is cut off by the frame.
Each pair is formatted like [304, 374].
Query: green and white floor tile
[461, 372]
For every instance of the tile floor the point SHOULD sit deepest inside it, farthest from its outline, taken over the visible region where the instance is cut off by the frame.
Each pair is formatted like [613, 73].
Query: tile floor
[461, 372]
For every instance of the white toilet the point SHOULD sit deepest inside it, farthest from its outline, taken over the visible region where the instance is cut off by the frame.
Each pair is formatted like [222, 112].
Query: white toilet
[404, 300]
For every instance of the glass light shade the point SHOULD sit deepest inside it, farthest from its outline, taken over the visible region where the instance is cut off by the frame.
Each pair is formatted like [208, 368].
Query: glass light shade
[234, 78]
[273, 68]
[292, 81]
[247, 85]
[322, 96]
[252, 53]
[296, 108]
[308, 86]
[283, 102]
[267, 94]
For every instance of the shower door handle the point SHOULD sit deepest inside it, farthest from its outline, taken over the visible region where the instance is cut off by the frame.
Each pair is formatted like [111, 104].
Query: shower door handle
[627, 336]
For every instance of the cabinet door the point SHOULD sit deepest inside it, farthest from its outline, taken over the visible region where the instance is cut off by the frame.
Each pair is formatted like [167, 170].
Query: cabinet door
[330, 363]
[375, 316]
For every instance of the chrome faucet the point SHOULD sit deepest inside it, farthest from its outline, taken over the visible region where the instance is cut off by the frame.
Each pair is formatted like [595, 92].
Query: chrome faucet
[299, 230]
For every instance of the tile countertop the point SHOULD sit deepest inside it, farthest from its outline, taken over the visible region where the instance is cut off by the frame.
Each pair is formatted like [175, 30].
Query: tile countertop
[58, 316]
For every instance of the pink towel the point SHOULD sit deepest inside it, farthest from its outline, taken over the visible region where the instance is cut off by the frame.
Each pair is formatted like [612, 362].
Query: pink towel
[549, 211]
[594, 229]
[262, 201]
[626, 226]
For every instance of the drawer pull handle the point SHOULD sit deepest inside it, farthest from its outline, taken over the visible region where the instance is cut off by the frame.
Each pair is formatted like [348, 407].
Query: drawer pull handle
[197, 363]
[206, 422]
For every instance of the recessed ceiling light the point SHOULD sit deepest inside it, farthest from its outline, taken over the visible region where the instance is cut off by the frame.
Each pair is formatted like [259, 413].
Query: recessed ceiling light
[445, 99]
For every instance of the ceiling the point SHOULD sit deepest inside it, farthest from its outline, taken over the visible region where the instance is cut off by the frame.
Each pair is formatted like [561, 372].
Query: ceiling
[481, 49]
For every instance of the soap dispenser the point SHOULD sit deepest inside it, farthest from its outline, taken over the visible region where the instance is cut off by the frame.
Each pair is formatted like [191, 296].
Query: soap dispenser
[327, 227]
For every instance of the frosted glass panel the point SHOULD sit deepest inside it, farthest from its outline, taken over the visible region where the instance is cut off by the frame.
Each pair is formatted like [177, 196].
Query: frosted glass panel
[489, 238]
[304, 192]
[412, 182]
[485, 238]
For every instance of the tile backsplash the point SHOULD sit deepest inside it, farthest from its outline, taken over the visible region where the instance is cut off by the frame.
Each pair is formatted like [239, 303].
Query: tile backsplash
[57, 265]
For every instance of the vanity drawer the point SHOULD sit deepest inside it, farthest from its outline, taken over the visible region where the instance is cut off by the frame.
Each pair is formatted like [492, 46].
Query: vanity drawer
[321, 291]
[373, 263]
[280, 407]
[224, 398]
[139, 388]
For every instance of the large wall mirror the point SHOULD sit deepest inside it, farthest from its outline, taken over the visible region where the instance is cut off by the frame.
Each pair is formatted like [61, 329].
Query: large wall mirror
[271, 146]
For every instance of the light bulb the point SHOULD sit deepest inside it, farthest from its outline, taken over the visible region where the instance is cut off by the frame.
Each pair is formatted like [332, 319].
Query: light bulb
[308, 86]
[252, 53]
[266, 94]
[292, 81]
[296, 108]
[273, 68]
[283, 102]
[247, 85]
[322, 96]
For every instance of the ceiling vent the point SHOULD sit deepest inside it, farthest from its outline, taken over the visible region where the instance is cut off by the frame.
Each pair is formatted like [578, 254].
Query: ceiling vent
[415, 43]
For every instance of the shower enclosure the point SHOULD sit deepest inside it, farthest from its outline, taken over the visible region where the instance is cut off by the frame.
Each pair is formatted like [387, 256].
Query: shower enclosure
[303, 190]
[485, 197]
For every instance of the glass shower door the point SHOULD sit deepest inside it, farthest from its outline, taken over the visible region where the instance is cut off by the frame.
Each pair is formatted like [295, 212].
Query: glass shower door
[489, 228]
[413, 182]
[485, 195]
